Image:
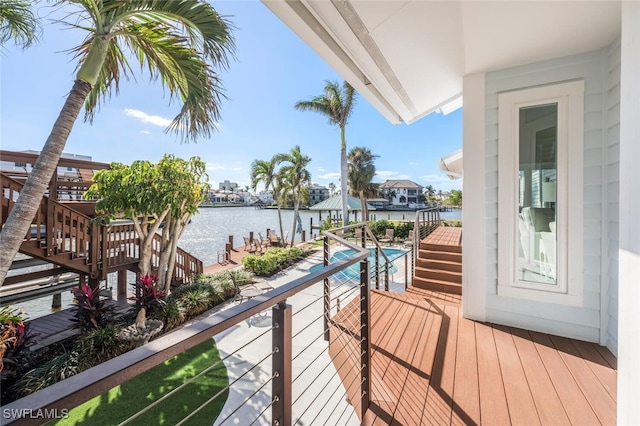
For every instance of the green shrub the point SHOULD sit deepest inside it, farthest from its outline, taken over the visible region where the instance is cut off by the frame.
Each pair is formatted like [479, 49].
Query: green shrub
[379, 227]
[295, 252]
[173, 316]
[195, 301]
[57, 369]
[241, 277]
[402, 230]
[100, 345]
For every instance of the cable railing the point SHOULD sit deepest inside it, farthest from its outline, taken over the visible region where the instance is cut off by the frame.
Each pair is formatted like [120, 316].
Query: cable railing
[282, 370]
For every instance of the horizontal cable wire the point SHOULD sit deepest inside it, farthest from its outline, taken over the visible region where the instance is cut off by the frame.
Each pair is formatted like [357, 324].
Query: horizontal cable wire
[248, 398]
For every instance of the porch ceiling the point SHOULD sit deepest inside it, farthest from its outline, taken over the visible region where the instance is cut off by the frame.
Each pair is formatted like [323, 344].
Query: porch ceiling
[408, 58]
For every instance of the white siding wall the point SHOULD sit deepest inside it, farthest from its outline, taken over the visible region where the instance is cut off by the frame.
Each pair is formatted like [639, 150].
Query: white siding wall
[611, 196]
[583, 322]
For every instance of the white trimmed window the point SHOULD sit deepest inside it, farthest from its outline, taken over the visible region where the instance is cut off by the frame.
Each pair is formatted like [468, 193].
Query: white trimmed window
[540, 193]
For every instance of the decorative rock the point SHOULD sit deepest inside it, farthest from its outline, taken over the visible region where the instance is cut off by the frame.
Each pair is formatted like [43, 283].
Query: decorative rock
[142, 330]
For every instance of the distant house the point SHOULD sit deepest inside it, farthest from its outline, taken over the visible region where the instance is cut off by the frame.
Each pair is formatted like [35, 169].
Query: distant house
[317, 193]
[228, 186]
[401, 192]
[266, 197]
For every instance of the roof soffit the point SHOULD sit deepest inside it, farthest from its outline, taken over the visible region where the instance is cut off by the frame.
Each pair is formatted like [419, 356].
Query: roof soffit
[408, 58]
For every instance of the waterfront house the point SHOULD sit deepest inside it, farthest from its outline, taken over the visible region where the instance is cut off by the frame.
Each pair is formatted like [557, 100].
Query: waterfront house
[551, 96]
[317, 193]
[401, 192]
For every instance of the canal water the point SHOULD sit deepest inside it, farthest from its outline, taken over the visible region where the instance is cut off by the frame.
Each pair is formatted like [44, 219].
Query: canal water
[205, 237]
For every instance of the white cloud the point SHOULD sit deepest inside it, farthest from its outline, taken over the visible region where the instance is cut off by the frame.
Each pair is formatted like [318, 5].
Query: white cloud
[319, 169]
[434, 178]
[334, 176]
[414, 164]
[215, 166]
[142, 116]
[390, 174]
[145, 132]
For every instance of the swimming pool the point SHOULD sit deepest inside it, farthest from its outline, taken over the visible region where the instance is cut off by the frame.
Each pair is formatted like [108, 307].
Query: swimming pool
[353, 271]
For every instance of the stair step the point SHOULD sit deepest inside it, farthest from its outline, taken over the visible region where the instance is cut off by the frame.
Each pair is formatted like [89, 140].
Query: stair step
[437, 285]
[440, 247]
[439, 255]
[445, 265]
[439, 274]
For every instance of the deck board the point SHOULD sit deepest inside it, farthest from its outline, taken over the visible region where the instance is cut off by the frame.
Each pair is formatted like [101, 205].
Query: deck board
[431, 366]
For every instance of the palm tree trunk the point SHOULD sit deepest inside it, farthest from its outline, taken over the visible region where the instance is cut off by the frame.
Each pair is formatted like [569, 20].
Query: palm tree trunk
[343, 178]
[23, 212]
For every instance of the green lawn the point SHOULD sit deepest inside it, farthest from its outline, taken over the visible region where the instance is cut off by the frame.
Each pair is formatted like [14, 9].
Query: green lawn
[123, 401]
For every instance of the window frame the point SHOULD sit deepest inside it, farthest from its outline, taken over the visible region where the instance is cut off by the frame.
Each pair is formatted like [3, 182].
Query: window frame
[569, 97]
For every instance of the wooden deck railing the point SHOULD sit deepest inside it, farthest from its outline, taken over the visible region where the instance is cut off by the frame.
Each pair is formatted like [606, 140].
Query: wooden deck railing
[68, 238]
[426, 221]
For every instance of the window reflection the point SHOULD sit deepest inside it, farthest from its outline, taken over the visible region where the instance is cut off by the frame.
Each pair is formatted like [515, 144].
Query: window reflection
[537, 187]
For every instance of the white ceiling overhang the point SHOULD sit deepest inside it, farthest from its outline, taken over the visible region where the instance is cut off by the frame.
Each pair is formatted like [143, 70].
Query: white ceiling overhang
[408, 58]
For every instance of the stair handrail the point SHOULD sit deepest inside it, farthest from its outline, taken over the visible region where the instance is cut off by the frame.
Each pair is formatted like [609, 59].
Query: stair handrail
[426, 221]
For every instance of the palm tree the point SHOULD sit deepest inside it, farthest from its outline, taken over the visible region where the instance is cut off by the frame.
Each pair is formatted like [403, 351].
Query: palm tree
[337, 105]
[180, 42]
[18, 23]
[265, 171]
[332, 188]
[297, 179]
[361, 171]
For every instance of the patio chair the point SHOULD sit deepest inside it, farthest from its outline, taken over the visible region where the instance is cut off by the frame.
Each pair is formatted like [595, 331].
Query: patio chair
[258, 247]
[388, 236]
[408, 243]
[274, 239]
[264, 241]
[248, 246]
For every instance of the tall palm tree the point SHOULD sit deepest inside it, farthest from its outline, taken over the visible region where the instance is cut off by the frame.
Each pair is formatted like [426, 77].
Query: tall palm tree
[336, 104]
[361, 171]
[18, 23]
[296, 178]
[266, 172]
[180, 43]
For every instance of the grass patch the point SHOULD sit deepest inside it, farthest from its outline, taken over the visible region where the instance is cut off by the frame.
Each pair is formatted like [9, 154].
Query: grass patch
[123, 401]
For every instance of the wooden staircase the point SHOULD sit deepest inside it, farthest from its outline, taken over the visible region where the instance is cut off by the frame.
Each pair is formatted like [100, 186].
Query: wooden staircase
[439, 262]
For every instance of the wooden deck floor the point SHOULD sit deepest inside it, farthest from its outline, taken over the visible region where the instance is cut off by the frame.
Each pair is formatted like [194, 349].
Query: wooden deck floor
[57, 326]
[445, 235]
[431, 366]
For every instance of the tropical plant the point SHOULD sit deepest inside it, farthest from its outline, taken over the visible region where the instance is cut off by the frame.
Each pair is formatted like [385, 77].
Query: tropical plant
[18, 23]
[455, 198]
[180, 42]
[147, 293]
[296, 179]
[13, 333]
[151, 195]
[265, 171]
[90, 311]
[101, 344]
[361, 171]
[336, 104]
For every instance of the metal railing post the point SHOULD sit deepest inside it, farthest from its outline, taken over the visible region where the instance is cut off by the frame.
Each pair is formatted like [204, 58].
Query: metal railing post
[406, 271]
[327, 290]
[365, 342]
[281, 363]
[377, 267]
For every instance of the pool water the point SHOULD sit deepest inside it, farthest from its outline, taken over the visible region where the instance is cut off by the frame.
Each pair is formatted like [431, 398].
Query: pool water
[353, 271]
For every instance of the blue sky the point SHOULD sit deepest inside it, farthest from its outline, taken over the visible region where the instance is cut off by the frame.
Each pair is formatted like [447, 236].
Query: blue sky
[274, 69]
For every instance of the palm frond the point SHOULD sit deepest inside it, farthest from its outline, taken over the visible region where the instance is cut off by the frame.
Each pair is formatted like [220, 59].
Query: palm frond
[18, 23]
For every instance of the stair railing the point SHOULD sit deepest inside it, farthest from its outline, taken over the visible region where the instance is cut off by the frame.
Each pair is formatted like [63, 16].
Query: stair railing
[426, 221]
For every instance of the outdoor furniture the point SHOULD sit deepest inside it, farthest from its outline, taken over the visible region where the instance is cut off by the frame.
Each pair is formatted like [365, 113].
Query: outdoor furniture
[388, 236]
[274, 239]
[248, 245]
[408, 243]
[264, 241]
[258, 247]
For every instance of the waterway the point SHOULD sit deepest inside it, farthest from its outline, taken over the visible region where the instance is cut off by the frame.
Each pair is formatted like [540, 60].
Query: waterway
[205, 237]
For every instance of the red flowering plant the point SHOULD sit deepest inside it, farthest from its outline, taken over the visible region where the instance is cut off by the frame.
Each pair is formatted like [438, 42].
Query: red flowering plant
[91, 311]
[148, 295]
[15, 338]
